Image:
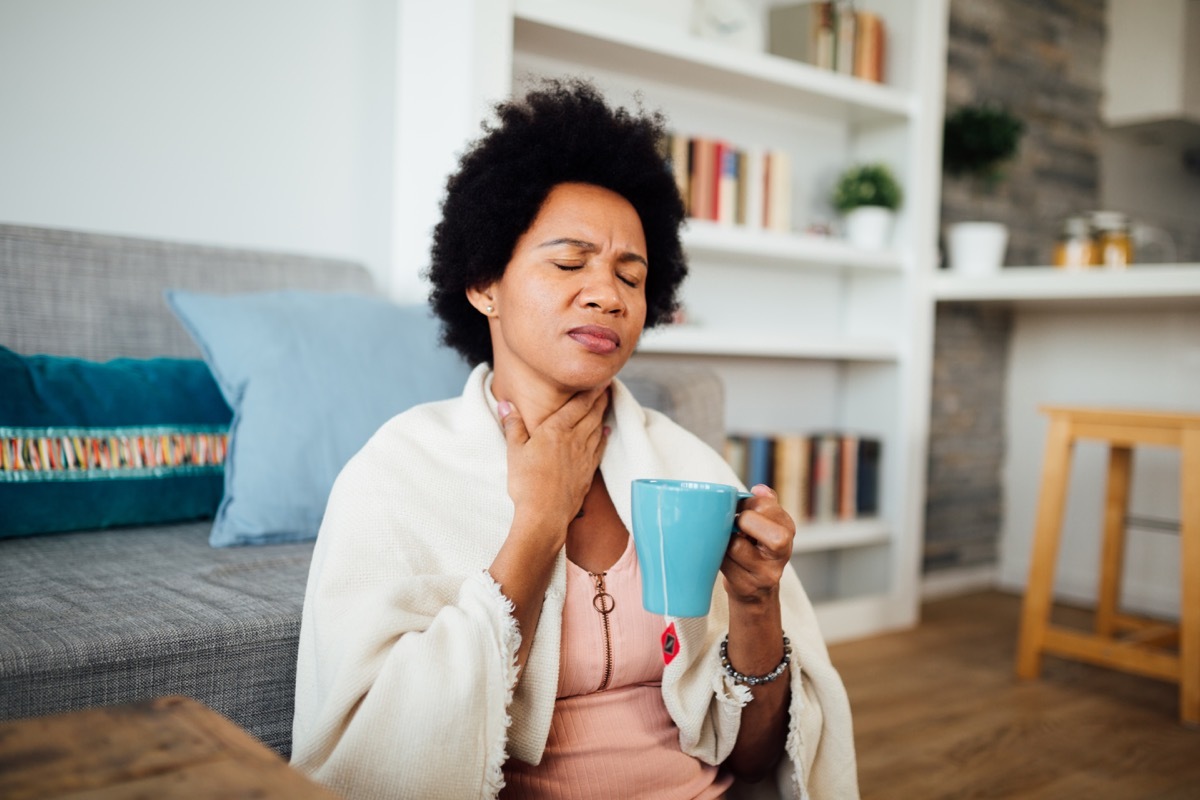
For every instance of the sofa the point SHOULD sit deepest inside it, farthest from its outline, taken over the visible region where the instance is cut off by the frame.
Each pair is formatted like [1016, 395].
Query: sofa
[119, 614]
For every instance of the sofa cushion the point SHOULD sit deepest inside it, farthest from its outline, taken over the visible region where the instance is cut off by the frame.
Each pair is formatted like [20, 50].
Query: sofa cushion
[136, 613]
[86, 445]
[310, 377]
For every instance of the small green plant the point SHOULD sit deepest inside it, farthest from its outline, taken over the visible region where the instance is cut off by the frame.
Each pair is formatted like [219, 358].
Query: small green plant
[977, 139]
[867, 185]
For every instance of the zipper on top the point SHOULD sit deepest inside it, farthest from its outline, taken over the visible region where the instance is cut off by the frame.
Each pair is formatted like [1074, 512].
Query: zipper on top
[604, 603]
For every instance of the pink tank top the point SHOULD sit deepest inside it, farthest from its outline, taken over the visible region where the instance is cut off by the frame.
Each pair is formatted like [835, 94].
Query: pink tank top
[616, 741]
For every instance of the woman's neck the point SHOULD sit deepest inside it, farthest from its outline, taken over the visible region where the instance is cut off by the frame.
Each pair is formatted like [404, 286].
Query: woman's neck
[534, 399]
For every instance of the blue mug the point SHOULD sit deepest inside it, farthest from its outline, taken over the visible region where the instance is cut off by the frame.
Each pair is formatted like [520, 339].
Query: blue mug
[681, 530]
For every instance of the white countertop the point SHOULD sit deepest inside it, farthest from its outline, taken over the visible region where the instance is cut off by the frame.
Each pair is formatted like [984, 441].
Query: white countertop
[1140, 285]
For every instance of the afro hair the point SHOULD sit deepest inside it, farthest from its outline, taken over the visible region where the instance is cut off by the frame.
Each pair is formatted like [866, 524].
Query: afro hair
[561, 131]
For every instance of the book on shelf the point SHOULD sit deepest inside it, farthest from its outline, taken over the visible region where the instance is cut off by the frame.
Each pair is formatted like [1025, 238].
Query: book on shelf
[829, 35]
[821, 476]
[760, 460]
[844, 31]
[678, 152]
[869, 44]
[777, 214]
[750, 187]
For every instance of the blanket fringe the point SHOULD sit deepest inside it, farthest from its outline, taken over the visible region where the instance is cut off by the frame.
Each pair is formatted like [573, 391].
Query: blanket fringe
[510, 643]
[794, 745]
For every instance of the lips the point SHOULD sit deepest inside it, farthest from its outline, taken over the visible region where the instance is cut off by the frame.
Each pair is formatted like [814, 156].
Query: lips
[596, 338]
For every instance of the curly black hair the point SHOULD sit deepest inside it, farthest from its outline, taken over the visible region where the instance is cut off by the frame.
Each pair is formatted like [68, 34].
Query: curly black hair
[561, 131]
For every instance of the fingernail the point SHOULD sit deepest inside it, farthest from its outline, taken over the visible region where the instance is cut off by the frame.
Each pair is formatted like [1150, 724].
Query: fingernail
[504, 407]
[607, 430]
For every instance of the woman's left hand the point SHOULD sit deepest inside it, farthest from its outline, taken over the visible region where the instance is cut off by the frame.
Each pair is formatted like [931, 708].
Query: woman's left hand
[759, 549]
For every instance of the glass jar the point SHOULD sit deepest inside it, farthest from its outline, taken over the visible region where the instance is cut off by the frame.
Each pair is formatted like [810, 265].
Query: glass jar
[1074, 248]
[1113, 242]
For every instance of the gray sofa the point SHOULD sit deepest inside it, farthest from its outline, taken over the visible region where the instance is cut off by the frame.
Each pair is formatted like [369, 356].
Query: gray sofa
[103, 617]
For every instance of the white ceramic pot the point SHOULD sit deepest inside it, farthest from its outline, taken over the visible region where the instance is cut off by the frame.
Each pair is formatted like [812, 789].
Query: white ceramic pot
[869, 227]
[976, 248]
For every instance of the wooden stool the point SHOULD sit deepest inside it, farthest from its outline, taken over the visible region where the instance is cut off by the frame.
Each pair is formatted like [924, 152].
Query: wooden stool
[1120, 641]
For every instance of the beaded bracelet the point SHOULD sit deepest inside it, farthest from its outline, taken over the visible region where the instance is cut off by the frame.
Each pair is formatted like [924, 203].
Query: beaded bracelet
[751, 680]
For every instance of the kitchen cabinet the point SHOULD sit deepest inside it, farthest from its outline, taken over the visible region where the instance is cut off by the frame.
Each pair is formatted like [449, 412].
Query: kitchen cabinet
[1159, 39]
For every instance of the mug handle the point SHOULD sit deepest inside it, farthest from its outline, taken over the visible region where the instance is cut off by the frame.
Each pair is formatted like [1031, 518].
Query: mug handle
[741, 496]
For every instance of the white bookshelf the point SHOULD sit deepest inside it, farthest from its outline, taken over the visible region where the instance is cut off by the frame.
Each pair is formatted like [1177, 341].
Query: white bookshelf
[806, 331]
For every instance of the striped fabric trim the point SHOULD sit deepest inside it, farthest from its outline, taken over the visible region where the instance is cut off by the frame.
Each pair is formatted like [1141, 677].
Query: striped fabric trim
[68, 454]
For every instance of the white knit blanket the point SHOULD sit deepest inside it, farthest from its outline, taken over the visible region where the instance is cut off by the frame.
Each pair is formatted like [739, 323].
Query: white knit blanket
[406, 684]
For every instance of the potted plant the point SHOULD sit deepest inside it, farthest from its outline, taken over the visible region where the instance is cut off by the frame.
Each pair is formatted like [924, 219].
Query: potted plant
[867, 195]
[976, 141]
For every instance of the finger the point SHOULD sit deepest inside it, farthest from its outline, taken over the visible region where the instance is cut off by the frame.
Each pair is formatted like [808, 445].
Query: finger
[510, 420]
[772, 536]
[766, 502]
[743, 574]
[602, 445]
[581, 406]
[595, 416]
[750, 574]
[750, 550]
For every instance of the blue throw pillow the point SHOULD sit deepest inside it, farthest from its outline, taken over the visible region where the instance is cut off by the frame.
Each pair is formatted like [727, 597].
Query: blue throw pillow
[310, 377]
[93, 445]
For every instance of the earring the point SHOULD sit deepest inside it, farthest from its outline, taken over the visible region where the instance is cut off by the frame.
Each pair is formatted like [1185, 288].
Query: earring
[490, 309]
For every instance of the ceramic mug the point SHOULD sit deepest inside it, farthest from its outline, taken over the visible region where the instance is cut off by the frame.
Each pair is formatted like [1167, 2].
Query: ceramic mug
[681, 530]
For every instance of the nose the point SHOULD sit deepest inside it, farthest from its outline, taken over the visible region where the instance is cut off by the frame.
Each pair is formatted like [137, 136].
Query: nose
[601, 292]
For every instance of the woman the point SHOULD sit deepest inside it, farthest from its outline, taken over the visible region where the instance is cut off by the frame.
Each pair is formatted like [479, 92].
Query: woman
[473, 624]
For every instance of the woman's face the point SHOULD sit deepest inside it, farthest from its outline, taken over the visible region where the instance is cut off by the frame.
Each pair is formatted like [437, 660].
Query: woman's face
[571, 304]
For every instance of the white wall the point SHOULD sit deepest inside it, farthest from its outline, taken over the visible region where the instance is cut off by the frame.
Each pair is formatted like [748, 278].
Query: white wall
[264, 124]
[1118, 358]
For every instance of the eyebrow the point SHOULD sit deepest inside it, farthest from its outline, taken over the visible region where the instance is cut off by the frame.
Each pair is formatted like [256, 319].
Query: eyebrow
[591, 248]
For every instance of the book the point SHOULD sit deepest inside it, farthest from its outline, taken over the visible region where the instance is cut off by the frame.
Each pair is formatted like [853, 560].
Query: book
[847, 498]
[867, 476]
[727, 183]
[791, 474]
[760, 460]
[792, 31]
[703, 177]
[843, 51]
[778, 191]
[869, 47]
[680, 167]
[823, 483]
[743, 164]
[824, 40]
[754, 186]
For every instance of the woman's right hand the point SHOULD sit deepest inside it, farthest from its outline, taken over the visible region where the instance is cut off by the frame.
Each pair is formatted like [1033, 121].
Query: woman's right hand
[551, 467]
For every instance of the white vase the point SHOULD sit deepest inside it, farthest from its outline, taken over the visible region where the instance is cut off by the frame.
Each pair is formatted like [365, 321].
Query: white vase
[976, 248]
[869, 227]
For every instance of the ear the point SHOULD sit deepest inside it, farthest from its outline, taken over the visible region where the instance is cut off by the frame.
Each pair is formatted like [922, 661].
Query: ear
[482, 298]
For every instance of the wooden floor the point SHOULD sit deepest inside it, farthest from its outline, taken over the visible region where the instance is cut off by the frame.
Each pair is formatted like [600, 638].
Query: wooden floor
[939, 713]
